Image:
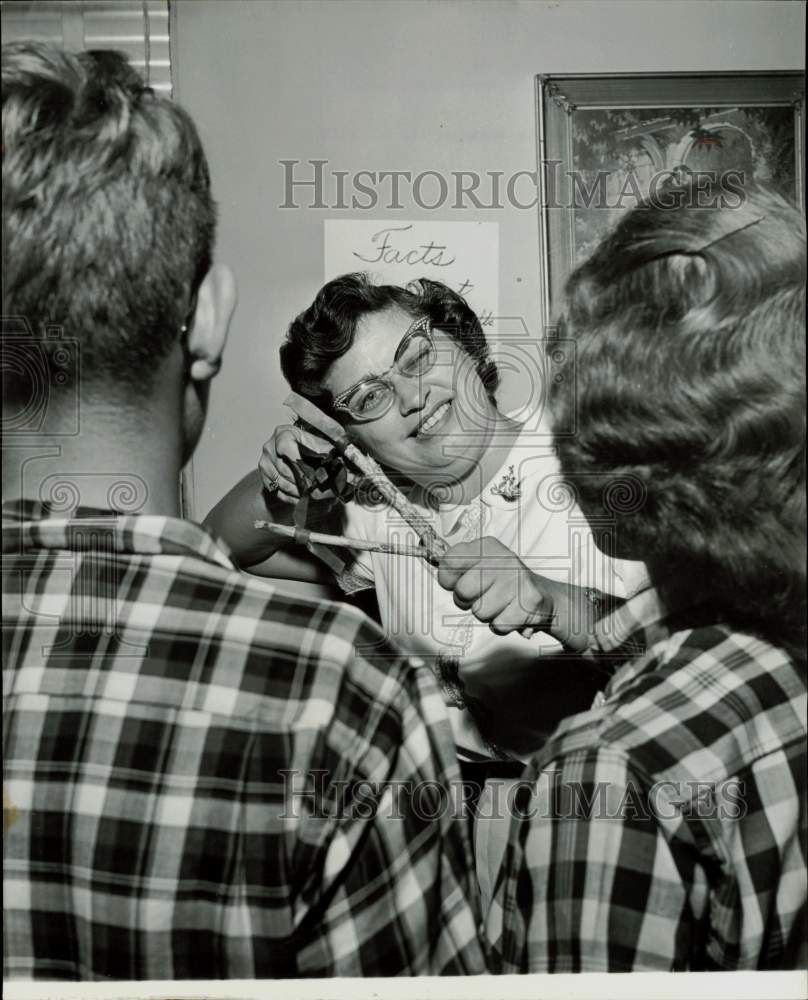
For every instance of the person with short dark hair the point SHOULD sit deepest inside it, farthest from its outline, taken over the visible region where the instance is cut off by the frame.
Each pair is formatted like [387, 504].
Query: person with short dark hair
[665, 829]
[326, 330]
[204, 776]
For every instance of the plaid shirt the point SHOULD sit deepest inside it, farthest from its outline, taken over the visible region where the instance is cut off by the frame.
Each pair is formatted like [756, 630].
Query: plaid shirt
[664, 829]
[192, 765]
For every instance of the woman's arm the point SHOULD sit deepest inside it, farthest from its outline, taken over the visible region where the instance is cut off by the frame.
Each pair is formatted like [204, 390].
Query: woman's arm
[270, 493]
[491, 581]
[255, 549]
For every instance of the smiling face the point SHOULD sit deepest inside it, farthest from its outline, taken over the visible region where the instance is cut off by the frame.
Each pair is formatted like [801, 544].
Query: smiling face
[437, 428]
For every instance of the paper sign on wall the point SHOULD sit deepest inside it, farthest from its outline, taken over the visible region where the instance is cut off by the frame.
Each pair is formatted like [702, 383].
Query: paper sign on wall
[462, 255]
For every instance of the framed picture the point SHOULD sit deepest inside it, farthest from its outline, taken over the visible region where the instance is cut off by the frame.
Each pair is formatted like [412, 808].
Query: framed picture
[605, 142]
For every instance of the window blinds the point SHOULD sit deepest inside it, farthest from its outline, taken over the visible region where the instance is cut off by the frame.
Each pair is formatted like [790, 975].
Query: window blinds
[138, 28]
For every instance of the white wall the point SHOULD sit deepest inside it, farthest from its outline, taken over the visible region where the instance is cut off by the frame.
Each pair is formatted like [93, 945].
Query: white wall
[399, 85]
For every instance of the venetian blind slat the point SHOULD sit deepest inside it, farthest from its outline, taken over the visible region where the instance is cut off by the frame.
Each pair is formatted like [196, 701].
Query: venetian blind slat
[139, 30]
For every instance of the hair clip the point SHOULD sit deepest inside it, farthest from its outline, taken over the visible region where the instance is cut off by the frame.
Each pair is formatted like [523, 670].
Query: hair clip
[696, 251]
[724, 236]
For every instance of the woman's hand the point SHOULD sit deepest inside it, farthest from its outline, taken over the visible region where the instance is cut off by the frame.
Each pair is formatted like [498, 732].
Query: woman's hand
[492, 582]
[279, 456]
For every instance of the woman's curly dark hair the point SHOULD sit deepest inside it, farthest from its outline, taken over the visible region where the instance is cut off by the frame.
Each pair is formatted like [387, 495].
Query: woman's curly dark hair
[325, 331]
[688, 325]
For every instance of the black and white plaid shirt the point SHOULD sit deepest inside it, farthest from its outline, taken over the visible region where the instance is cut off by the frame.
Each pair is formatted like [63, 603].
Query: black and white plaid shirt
[664, 829]
[205, 777]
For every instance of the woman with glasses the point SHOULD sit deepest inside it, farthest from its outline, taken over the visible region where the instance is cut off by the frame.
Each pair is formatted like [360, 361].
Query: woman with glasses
[408, 373]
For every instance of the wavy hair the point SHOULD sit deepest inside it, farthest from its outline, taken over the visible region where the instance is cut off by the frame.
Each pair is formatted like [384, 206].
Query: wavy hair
[689, 332]
[326, 330]
[108, 219]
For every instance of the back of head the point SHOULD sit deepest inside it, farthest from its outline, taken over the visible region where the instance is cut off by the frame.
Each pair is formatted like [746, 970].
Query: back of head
[108, 220]
[688, 324]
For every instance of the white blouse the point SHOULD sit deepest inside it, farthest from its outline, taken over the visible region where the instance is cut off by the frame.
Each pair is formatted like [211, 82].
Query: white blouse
[527, 508]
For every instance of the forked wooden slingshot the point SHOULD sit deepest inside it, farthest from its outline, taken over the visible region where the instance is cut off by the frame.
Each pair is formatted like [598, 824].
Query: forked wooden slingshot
[434, 546]
[305, 537]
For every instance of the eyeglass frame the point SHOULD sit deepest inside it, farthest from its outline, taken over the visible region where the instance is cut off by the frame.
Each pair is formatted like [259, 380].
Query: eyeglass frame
[421, 326]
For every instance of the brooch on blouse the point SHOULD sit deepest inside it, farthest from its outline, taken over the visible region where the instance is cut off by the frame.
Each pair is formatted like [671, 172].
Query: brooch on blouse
[507, 487]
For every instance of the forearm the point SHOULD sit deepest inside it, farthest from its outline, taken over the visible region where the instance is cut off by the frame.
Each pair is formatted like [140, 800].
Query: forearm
[501, 590]
[233, 519]
[578, 610]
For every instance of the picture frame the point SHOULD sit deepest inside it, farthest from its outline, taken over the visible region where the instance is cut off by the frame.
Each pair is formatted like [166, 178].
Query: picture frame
[605, 141]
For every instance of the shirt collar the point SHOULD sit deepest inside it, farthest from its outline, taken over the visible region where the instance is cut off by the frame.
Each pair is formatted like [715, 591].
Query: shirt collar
[643, 621]
[31, 524]
[503, 491]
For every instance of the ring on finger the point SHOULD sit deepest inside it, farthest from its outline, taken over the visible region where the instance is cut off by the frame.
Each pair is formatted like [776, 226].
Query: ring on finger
[273, 485]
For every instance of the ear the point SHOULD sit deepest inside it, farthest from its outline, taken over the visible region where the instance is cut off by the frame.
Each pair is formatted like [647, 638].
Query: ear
[215, 302]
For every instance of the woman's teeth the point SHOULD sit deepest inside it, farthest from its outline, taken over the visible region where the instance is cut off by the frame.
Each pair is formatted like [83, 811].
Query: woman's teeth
[435, 419]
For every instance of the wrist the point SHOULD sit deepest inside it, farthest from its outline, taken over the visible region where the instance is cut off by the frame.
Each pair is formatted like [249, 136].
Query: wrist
[577, 611]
